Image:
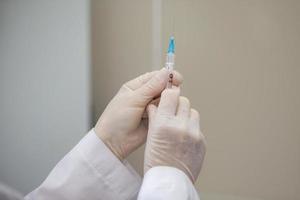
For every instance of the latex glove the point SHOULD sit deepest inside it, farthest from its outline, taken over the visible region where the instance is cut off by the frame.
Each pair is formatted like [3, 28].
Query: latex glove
[121, 126]
[174, 138]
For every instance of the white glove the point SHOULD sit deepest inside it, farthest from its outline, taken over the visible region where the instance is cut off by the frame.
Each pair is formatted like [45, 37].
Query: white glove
[121, 126]
[174, 137]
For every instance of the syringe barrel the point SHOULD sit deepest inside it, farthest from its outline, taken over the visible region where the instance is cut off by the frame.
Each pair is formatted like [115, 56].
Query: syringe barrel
[170, 66]
[170, 61]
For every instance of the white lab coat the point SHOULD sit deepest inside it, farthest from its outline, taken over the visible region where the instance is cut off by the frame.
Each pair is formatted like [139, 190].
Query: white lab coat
[91, 171]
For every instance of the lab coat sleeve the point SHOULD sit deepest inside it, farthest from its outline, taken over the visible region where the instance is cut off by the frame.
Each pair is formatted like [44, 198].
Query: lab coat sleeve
[167, 183]
[89, 171]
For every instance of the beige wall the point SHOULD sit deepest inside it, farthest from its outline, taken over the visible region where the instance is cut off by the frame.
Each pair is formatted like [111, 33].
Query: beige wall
[121, 45]
[241, 64]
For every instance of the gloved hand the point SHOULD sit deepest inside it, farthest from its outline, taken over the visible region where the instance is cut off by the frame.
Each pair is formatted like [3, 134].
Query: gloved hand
[174, 137]
[121, 126]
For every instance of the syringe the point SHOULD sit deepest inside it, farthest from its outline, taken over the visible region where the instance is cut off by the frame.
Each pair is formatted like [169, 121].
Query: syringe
[170, 61]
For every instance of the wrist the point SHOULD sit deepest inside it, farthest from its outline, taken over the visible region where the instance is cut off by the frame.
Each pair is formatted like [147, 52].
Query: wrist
[108, 141]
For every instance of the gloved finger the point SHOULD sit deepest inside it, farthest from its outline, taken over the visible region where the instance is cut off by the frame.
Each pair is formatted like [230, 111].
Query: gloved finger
[154, 102]
[151, 110]
[169, 101]
[176, 80]
[184, 108]
[139, 81]
[195, 118]
[157, 84]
